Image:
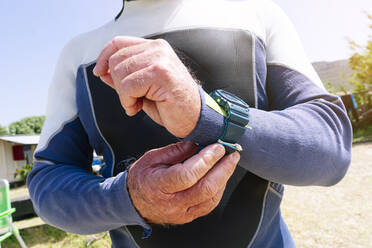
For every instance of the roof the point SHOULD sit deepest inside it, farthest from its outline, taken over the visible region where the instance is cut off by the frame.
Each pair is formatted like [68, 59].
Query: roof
[21, 139]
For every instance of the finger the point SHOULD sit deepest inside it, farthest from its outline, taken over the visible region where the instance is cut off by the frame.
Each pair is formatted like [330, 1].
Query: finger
[135, 108]
[150, 108]
[171, 154]
[183, 176]
[126, 53]
[109, 49]
[205, 207]
[142, 83]
[131, 89]
[121, 69]
[107, 79]
[211, 183]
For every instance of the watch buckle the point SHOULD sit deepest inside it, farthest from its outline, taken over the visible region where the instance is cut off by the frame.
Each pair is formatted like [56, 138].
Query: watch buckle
[233, 146]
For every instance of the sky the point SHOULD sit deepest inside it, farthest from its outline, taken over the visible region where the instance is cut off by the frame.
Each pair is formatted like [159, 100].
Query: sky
[34, 32]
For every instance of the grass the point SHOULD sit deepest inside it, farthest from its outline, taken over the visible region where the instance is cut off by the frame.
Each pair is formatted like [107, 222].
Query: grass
[363, 134]
[46, 236]
[340, 216]
[49, 237]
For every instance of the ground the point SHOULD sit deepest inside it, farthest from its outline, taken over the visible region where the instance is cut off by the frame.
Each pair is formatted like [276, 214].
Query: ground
[340, 216]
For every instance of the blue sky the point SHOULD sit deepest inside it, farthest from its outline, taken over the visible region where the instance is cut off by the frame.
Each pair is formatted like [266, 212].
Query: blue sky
[34, 32]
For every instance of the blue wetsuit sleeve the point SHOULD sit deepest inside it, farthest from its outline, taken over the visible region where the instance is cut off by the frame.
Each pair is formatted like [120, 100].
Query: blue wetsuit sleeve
[304, 136]
[67, 196]
[305, 139]
[63, 190]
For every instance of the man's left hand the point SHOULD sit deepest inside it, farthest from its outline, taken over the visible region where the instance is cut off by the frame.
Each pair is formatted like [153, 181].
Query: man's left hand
[149, 76]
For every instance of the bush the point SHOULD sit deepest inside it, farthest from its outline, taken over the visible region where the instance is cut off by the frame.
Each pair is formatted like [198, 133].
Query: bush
[23, 172]
[28, 125]
[3, 130]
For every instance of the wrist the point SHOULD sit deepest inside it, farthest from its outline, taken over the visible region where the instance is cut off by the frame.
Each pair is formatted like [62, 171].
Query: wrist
[191, 110]
[133, 189]
[236, 113]
[210, 125]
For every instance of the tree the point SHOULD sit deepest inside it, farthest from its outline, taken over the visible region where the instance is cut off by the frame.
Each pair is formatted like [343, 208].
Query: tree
[3, 130]
[28, 125]
[361, 63]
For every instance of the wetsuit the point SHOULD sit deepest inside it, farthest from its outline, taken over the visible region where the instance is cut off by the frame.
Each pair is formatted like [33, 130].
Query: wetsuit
[300, 133]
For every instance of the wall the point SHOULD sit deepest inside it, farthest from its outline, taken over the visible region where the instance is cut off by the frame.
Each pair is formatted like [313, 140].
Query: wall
[3, 168]
[7, 165]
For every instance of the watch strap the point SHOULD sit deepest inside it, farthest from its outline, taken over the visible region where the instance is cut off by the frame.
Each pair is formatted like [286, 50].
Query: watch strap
[211, 103]
[233, 132]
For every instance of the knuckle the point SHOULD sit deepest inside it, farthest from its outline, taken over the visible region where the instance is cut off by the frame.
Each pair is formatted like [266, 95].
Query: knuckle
[112, 61]
[178, 148]
[124, 53]
[148, 156]
[156, 53]
[123, 103]
[208, 188]
[208, 158]
[185, 177]
[123, 85]
[115, 41]
[161, 42]
[160, 68]
[117, 68]
[115, 60]
[215, 200]
[150, 153]
[174, 149]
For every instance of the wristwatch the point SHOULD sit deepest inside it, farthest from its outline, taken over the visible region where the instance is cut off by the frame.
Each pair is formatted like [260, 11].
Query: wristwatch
[236, 118]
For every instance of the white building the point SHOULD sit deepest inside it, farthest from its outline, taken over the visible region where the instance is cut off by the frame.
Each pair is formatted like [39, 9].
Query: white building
[15, 152]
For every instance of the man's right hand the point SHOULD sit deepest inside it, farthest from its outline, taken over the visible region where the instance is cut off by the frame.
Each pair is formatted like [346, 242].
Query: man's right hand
[165, 190]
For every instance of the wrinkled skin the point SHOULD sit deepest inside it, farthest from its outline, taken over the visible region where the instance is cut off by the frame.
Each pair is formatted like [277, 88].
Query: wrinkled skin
[166, 191]
[148, 76]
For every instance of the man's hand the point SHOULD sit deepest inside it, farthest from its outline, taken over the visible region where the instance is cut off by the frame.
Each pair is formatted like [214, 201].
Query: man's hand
[164, 190]
[148, 76]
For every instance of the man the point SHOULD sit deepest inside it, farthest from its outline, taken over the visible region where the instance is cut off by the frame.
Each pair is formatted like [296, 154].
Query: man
[300, 134]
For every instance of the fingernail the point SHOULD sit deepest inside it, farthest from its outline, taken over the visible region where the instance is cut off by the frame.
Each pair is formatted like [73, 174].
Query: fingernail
[95, 71]
[219, 149]
[188, 144]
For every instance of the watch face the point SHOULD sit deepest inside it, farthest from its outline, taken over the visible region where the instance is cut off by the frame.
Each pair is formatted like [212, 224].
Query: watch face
[232, 98]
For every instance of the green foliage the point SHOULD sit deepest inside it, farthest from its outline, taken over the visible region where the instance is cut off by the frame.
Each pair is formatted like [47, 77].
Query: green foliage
[46, 236]
[3, 130]
[28, 125]
[361, 63]
[343, 89]
[23, 172]
[331, 89]
[363, 134]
